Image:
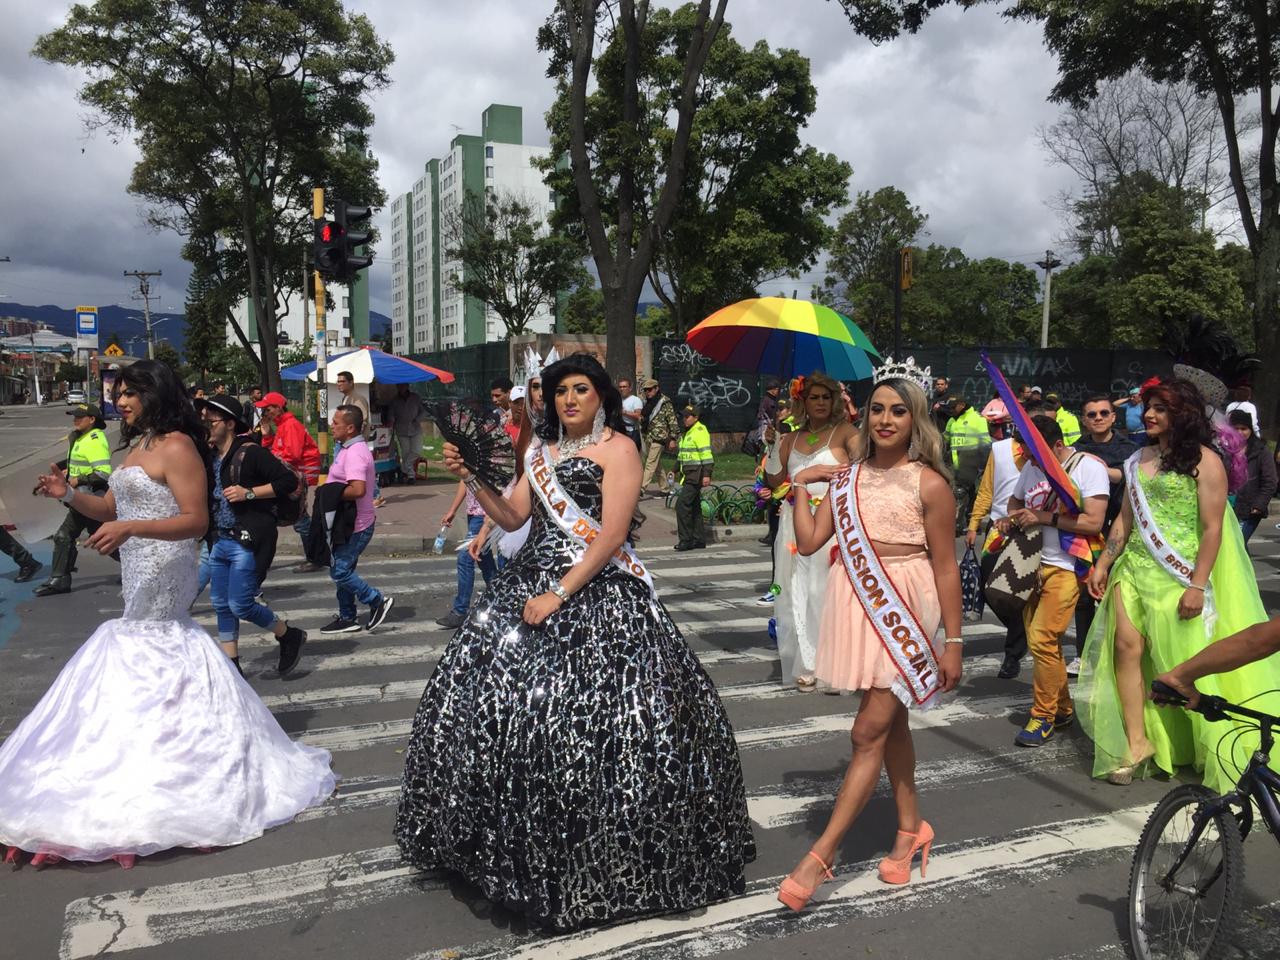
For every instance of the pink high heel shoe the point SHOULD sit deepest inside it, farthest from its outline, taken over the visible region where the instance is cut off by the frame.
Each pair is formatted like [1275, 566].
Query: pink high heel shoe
[793, 895]
[899, 871]
[126, 860]
[41, 860]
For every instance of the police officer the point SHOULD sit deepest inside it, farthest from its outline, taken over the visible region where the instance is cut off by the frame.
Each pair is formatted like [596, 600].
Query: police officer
[88, 466]
[694, 456]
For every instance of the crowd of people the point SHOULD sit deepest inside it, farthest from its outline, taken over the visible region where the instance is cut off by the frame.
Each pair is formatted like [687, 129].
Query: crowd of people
[569, 755]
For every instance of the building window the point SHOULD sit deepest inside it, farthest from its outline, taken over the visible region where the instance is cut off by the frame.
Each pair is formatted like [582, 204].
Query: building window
[488, 152]
[488, 173]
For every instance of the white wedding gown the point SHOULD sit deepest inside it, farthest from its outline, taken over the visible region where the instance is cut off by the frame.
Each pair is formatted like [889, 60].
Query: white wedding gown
[149, 738]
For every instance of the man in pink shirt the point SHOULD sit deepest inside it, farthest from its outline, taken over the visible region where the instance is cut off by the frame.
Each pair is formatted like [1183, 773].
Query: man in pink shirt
[354, 467]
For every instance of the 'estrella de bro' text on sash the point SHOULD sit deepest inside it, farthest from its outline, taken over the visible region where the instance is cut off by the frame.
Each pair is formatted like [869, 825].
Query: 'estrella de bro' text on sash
[1157, 544]
[568, 516]
[918, 683]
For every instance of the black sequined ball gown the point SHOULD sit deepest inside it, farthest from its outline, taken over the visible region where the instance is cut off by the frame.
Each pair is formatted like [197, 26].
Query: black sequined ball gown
[579, 771]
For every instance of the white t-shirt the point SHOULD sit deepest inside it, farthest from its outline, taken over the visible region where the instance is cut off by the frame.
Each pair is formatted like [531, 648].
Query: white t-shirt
[632, 404]
[1033, 489]
[1248, 408]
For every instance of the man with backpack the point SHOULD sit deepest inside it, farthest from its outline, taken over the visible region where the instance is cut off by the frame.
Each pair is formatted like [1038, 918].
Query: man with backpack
[242, 529]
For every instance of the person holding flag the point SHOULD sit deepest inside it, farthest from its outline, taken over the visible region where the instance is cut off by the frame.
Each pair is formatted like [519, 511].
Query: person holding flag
[894, 582]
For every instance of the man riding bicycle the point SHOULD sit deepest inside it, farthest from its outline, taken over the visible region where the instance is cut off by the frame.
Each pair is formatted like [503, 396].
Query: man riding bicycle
[1252, 644]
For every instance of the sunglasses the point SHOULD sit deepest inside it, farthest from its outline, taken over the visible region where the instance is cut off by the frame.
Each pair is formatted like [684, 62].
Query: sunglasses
[1099, 415]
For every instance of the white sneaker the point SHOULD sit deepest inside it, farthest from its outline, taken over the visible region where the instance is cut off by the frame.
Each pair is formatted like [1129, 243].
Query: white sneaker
[767, 599]
[1073, 668]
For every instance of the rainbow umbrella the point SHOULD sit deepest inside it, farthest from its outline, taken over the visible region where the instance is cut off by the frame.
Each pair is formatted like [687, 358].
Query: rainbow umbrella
[1033, 443]
[787, 338]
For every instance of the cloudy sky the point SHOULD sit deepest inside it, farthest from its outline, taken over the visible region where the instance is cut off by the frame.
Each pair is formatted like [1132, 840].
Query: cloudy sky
[948, 116]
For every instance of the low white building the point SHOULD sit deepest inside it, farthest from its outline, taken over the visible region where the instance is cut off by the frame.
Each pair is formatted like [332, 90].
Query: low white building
[426, 312]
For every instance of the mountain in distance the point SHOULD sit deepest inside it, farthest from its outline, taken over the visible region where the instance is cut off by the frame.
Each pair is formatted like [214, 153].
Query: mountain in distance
[111, 319]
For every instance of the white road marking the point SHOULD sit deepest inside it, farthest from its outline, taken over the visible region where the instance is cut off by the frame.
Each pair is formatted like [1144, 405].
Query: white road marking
[172, 913]
[955, 869]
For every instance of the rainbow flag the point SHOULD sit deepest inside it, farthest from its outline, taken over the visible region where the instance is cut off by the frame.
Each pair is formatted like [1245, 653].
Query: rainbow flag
[1082, 549]
[1033, 443]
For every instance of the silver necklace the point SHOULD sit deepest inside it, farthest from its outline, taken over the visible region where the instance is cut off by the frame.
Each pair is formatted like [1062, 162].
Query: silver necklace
[572, 446]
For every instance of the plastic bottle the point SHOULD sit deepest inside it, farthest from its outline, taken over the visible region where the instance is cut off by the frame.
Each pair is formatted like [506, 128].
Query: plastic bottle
[438, 546]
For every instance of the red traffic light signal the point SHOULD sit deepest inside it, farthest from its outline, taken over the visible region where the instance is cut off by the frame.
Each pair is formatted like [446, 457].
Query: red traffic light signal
[327, 249]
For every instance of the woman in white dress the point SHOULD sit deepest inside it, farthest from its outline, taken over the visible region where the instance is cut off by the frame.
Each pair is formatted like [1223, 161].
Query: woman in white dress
[822, 435]
[149, 738]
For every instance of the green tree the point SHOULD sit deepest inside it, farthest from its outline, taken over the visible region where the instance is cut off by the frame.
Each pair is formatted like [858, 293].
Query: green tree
[238, 109]
[114, 340]
[1227, 51]
[1079, 311]
[859, 280]
[509, 260]
[71, 372]
[167, 354]
[583, 310]
[600, 123]
[956, 301]
[754, 200]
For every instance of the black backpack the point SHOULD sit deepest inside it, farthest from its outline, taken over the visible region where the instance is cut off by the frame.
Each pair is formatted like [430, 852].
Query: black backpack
[288, 509]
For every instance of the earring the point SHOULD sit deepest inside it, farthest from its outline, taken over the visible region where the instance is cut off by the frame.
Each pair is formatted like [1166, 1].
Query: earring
[560, 437]
[913, 452]
[597, 425]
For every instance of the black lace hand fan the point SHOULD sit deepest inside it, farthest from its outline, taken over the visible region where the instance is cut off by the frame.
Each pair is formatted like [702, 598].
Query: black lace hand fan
[475, 428]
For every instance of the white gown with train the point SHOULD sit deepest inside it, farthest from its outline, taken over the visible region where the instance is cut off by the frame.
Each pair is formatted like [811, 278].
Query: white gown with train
[802, 580]
[149, 738]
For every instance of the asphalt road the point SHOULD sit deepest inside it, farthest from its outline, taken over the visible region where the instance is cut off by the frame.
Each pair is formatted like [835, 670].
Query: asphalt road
[1031, 860]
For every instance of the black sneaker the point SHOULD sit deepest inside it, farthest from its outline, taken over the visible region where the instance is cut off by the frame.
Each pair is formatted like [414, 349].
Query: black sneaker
[28, 570]
[451, 620]
[338, 625]
[1062, 720]
[378, 612]
[290, 650]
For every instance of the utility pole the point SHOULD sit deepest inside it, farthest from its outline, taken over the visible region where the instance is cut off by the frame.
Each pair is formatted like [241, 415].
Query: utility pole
[144, 294]
[1048, 265]
[322, 379]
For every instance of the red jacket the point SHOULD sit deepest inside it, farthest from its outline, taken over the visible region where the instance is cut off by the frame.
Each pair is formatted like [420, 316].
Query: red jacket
[295, 447]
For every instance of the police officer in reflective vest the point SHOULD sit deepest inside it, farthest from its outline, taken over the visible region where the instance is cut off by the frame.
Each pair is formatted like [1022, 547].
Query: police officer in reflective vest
[88, 466]
[694, 456]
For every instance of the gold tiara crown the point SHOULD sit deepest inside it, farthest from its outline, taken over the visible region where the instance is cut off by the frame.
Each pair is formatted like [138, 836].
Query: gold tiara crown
[891, 370]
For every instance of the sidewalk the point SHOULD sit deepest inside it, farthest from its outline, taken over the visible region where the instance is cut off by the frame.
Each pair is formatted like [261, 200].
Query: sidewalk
[410, 520]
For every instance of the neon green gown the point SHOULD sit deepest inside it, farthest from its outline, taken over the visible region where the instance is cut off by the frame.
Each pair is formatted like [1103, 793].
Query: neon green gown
[1151, 598]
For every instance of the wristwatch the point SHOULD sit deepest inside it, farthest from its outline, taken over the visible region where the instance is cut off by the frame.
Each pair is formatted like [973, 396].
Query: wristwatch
[1054, 519]
[249, 494]
[559, 590]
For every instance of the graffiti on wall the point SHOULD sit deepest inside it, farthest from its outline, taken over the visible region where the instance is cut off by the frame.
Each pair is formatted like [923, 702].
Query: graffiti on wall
[711, 393]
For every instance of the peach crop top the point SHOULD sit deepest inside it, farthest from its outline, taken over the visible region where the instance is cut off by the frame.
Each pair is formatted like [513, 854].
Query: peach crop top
[889, 501]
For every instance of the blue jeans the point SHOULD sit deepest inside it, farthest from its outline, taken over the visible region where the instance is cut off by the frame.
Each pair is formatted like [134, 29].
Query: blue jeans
[302, 526]
[204, 567]
[342, 570]
[233, 579]
[1247, 527]
[467, 570]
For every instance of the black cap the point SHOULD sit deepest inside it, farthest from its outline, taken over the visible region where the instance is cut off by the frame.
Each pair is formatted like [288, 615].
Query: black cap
[226, 404]
[772, 383]
[85, 410]
[688, 410]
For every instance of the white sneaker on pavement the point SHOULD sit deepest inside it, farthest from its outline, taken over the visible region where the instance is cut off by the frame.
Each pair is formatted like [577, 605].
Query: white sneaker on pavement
[1073, 668]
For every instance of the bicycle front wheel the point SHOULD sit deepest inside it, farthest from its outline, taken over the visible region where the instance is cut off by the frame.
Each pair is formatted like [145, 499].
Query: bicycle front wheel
[1185, 910]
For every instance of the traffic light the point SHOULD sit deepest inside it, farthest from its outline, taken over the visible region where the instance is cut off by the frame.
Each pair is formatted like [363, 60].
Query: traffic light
[328, 249]
[905, 278]
[353, 223]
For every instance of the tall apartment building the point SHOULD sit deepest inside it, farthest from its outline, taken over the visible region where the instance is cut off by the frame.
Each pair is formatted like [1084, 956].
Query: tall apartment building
[427, 313]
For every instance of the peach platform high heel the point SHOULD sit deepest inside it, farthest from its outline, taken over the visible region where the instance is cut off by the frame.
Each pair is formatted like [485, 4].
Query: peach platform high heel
[899, 871]
[795, 896]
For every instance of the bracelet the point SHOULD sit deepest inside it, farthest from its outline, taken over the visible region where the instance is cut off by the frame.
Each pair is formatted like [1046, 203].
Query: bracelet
[472, 483]
[1054, 520]
[559, 590]
[69, 495]
[1195, 586]
[959, 640]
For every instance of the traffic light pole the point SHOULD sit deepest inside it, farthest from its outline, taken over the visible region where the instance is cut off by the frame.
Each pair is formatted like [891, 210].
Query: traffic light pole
[322, 380]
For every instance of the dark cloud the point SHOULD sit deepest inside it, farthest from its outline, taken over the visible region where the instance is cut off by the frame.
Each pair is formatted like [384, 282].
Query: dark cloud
[949, 116]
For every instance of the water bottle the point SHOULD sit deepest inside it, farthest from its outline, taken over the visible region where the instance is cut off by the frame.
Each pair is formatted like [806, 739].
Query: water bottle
[438, 547]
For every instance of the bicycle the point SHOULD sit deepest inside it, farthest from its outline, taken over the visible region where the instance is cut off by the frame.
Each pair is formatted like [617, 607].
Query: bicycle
[1188, 870]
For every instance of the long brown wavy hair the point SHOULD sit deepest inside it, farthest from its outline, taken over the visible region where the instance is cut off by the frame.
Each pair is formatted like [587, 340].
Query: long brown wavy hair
[1189, 426]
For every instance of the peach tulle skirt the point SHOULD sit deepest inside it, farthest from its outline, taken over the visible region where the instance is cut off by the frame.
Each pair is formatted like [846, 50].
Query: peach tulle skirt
[850, 654]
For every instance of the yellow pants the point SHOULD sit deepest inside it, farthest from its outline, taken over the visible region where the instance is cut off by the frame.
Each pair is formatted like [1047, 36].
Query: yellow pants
[1046, 617]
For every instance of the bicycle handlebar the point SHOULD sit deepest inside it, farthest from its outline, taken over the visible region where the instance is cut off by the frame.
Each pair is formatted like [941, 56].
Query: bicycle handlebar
[1212, 708]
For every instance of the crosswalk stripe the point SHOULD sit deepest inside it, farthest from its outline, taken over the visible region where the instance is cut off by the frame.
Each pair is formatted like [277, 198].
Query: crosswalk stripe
[171, 913]
[955, 869]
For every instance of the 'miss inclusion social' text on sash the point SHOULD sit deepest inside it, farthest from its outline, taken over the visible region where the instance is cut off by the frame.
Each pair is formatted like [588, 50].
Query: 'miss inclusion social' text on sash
[894, 622]
[568, 516]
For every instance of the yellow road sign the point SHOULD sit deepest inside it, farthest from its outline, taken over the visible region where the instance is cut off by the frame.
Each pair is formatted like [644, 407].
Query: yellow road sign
[113, 351]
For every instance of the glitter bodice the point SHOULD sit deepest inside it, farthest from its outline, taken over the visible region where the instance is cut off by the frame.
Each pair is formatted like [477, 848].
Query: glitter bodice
[890, 504]
[159, 576]
[549, 547]
[1175, 507]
